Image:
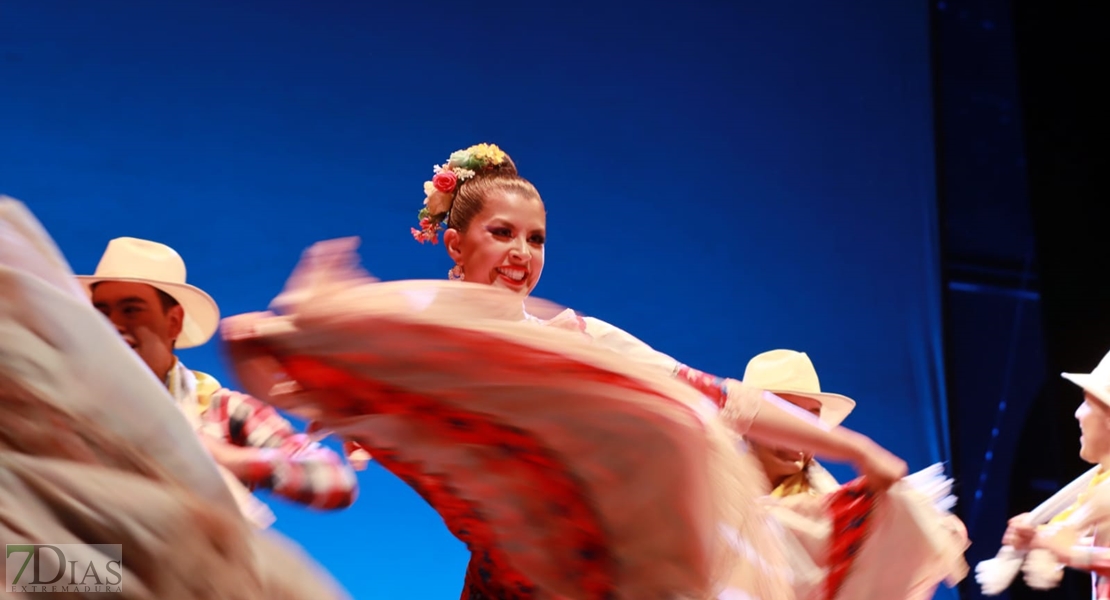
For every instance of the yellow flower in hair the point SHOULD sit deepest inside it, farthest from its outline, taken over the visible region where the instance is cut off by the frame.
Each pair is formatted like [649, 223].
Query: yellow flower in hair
[487, 154]
[429, 189]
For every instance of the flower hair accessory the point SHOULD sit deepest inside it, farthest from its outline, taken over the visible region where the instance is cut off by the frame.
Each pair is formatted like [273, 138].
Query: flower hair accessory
[439, 193]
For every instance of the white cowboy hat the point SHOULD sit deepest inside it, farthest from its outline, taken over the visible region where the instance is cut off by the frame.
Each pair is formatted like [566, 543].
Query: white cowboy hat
[157, 265]
[1096, 383]
[790, 372]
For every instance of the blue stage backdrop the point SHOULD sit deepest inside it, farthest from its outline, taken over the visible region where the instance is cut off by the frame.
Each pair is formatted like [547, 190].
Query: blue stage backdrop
[722, 178]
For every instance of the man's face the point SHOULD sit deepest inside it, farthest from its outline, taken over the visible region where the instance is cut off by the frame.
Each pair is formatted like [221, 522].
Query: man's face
[779, 463]
[141, 319]
[1094, 426]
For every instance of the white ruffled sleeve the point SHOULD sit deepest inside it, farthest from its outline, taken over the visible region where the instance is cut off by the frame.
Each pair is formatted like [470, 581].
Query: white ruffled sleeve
[738, 403]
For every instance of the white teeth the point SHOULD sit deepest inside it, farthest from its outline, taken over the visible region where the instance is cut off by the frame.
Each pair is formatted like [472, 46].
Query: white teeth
[514, 274]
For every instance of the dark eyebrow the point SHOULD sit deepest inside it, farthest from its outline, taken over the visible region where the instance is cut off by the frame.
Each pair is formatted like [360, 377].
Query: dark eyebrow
[503, 223]
[127, 300]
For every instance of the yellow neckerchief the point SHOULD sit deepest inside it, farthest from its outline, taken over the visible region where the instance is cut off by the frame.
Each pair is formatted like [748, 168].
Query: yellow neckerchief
[202, 388]
[207, 385]
[1067, 512]
[812, 480]
[797, 483]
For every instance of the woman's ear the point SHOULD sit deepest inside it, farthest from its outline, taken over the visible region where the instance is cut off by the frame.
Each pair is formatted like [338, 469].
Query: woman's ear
[175, 318]
[452, 241]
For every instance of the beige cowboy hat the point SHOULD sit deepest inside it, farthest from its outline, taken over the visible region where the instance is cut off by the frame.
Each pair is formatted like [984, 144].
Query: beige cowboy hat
[790, 372]
[1096, 383]
[142, 261]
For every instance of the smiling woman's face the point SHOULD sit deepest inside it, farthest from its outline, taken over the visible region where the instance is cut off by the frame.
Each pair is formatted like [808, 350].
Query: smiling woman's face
[503, 245]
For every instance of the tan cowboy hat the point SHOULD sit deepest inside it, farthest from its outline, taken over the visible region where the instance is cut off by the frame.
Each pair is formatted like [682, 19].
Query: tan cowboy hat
[1097, 382]
[142, 261]
[790, 372]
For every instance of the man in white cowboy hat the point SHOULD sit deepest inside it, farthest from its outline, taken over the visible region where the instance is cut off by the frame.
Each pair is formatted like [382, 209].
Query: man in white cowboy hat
[790, 375]
[1094, 413]
[799, 485]
[140, 286]
[1089, 514]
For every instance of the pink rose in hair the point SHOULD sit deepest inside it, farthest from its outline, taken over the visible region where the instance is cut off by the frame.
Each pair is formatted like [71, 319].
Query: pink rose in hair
[445, 181]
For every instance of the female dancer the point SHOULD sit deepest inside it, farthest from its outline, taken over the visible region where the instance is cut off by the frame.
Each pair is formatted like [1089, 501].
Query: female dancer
[495, 230]
[369, 361]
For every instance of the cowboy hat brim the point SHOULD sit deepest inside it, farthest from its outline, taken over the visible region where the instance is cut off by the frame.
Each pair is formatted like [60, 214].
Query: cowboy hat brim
[202, 314]
[1093, 386]
[834, 407]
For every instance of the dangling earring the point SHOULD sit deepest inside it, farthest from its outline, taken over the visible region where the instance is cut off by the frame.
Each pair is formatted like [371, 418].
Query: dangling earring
[456, 273]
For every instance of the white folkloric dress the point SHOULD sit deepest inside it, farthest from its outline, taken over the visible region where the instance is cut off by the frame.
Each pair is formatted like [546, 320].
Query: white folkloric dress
[569, 469]
[571, 458]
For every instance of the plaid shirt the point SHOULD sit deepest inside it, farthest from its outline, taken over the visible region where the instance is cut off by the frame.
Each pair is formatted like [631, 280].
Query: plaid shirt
[289, 464]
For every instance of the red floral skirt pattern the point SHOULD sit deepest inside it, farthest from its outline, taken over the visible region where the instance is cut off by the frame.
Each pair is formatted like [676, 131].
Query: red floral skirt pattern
[490, 574]
[522, 494]
[850, 507]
